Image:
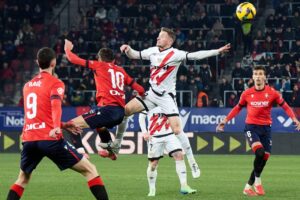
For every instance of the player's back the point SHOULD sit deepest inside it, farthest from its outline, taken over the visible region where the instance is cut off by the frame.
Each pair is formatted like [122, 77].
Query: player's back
[110, 80]
[38, 93]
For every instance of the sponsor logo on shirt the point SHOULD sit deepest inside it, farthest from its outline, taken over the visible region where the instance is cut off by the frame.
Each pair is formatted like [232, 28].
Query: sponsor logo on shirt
[259, 103]
[35, 126]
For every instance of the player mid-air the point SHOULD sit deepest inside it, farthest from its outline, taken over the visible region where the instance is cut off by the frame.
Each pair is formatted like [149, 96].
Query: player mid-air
[110, 81]
[165, 61]
[160, 138]
[258, 100]
[42, 136]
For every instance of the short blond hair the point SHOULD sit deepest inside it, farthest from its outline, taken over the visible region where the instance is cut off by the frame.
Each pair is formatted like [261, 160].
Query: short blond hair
[170, 32]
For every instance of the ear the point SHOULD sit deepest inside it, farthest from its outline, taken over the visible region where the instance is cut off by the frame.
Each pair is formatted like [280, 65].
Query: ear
[37, 62]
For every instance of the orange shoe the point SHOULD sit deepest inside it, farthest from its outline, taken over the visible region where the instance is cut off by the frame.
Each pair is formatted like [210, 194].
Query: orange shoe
[259, 190]
[107, 154]
[249, 192]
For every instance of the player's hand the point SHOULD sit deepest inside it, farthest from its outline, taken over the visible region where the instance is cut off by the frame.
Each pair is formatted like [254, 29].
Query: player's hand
[220, 127]
[146, 136]
[225, 48]
[297, 124]
[68, 45]
[54, 132]
[125, 48]
[71, 127]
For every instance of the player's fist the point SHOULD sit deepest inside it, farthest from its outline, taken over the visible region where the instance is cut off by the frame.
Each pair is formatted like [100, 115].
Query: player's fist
[297, 124]
[54, 132]
[68, 45]
[225, 48]
[125, 48]
[220, 127]
[146, 136]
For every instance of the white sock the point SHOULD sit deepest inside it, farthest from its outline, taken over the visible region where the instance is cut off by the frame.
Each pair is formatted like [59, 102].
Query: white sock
[257, 181]
[151, 175]
[185, 143]
[121, 128]
[247, 186]
[181, 172]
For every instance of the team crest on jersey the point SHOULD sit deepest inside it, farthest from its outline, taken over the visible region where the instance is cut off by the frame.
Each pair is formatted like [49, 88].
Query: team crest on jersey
[60, 90]
[252, 95]
[267, 95]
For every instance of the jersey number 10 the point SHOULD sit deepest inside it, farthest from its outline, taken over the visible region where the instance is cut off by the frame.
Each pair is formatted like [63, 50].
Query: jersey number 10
[117, 79]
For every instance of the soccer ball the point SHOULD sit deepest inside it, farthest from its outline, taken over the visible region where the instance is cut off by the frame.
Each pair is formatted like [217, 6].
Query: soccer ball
[245, 11]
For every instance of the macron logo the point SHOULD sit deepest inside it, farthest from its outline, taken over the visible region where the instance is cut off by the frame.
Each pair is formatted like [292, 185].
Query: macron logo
[184, 117]
[285, 122]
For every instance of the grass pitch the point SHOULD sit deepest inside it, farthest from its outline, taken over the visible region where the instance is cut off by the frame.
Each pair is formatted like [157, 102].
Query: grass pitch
[223, 177]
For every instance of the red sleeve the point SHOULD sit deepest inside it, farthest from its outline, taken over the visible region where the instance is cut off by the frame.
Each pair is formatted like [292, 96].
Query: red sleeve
[73, 58]
[56, 95]
[288, 110]
[234, 112]
[134, 85]
[278, 98]
[237, 108]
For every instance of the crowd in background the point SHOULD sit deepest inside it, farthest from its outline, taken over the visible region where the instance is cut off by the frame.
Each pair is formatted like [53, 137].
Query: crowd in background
[198, 26]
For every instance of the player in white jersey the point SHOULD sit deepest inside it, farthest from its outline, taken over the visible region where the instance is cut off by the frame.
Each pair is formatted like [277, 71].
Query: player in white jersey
[165, 61]
[160, 138]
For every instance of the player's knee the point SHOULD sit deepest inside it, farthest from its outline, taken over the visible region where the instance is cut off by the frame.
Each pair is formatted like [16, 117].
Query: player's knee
[177, 155]
[260, 152]
[154, 165]
[23, 179]
[267, 156]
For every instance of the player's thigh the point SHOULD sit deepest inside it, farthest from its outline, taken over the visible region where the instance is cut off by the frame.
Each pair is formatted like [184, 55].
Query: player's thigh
[155, 148]
[175, 124]
[139, 104]
[61, 152]
[172, 145]
[266, 139]
[105, 116]
[252, 136]
[31, 156]
[79, 121]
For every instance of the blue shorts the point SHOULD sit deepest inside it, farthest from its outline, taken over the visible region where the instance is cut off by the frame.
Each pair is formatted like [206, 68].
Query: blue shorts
[106, 116]
[60, 152]
[259, 133]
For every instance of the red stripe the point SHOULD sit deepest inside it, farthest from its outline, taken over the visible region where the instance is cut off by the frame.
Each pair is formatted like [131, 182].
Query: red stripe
[153, 120]
[160, 67]
[89, 116]
[267, 156]
[158, 126]
[257, 147]
[95, 181]
[18, 189]
[75, 156]
[164, 76]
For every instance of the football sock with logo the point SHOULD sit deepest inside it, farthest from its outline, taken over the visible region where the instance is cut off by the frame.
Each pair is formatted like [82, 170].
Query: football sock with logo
[97, 188]
[104, 134]
[259, 161]
[181, 172]
[151, 175]
[15, 192]
[121, 128]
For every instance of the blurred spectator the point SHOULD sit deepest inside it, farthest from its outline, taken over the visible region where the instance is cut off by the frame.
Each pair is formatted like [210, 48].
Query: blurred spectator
[232, 101]
[237, 72]
[202, 100]
[295, 97]
[224, 85]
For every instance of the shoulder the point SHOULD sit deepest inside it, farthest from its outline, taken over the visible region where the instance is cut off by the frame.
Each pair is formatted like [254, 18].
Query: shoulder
[56, 82]
[151, 50]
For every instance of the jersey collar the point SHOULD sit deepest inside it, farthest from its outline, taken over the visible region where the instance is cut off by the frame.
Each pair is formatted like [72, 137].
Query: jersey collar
[164, 49]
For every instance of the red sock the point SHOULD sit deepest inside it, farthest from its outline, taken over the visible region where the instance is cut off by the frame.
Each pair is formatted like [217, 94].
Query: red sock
[95, 181]
[18, 189]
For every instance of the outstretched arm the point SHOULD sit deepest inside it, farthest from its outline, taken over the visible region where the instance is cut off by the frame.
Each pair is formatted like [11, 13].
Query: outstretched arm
[291, 114]
[131, 53]
[73, 58]
[205, 54]
[142, 122]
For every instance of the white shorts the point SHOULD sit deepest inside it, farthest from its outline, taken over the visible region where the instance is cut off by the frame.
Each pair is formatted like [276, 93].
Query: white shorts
[166, 101]
[157, 146]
